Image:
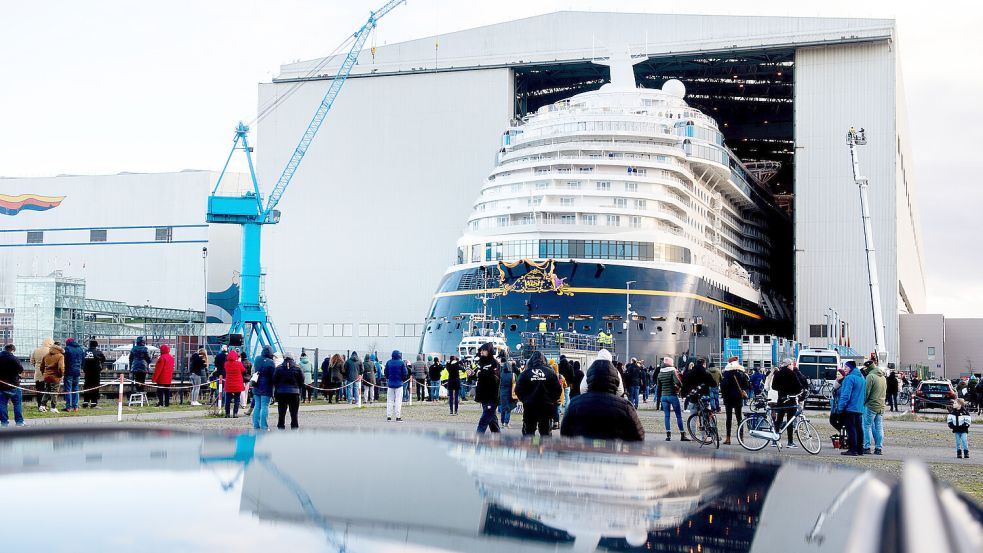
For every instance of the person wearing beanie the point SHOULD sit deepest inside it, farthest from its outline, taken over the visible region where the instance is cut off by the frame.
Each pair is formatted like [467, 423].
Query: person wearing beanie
[850, 405]
[234, 385]
[667, 390]
[604, 355]
[74, 356]
[37, 356]
[92, 369]
[306, 367]
[396, 373]
[288, 382]
[601, 414]
[486, 392]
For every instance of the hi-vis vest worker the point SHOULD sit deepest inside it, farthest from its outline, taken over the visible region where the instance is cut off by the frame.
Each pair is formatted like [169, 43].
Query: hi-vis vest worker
[542, 326]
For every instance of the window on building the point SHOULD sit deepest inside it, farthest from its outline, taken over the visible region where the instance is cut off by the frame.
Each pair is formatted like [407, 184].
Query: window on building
[636, 222]
[303, 330]
[589, 219]
[931, 352]
[503, 221]
[164, 234]
[818, 331]
[640, 204]
[373, 330]
[604, 185]
[568, 219]
[631, 187]
[614, 221]
[35, 237]
[542, 184]
[566, 201]
[337, 330]
[621, 202]
[97, 235]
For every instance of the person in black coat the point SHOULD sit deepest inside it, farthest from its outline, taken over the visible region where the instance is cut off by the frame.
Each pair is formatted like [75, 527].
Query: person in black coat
[633, 380]
[92, 370]
[538, 387]
[288, 381]
[696, 377]
[892, 390]
[487, 393]
[578, 378]
[453, 383]
[734, 387]
[600, 414]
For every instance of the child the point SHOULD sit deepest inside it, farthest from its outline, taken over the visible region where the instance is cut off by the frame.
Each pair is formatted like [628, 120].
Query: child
[959, 421]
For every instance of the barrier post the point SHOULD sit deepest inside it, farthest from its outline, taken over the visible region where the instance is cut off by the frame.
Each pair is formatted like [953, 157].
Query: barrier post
[412, 388]
[358, 385]
[119, 406]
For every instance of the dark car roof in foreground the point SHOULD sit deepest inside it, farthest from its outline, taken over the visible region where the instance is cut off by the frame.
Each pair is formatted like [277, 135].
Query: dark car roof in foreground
[122, 488]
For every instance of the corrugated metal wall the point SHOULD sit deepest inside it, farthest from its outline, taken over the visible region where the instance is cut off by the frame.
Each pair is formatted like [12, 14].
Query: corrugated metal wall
[838, 87]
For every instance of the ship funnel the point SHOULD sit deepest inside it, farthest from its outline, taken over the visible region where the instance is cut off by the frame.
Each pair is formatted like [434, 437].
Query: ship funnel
[622, 64]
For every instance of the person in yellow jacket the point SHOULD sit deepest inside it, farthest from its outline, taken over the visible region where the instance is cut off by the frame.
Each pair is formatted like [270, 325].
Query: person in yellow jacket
[37, 356]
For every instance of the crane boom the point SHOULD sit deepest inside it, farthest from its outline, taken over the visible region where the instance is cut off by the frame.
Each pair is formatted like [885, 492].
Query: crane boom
[322, 111]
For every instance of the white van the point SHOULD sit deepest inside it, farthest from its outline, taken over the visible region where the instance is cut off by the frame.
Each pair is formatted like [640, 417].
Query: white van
[819, 365]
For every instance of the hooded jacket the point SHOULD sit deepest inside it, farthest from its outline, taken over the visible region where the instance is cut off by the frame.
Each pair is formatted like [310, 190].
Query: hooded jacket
[396, 372]
[164, 369]
[579, 379]
[959, 420]
[565, 369]
[37, 356]
[716, 375]
[600, 414]
[53, 364]
[487, 391]
[435, 369]
[220, 359]
[199, 364]
[420, 367]
[633, 374]
[74, 356]
[264, 367]
[875, 392]
[893, 384]
[10, 370]
[139, 356]
[368, 369]
[538, 387]
[307, 368]
[757, 381]
[852, 392]
[353, 367]
[233, 373]
[288, 378]
[787, 384]
[733, 380]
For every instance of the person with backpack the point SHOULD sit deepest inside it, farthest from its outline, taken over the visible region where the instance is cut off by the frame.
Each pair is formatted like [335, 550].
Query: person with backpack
[959, 421]
[486, 390]
[92, 369]
[875, 390]
[353, 367]
[734, 386]
[368, 378]
[668, 386]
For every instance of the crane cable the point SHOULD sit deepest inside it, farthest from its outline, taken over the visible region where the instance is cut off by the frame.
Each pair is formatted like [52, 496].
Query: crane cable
[273, 104]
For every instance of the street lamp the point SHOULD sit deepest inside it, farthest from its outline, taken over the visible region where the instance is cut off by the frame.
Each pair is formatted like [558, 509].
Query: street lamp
[204, 276]
[628, 319]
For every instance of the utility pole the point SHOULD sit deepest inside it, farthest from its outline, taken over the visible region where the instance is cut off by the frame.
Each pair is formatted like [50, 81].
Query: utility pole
[628, 320]
[856, 138]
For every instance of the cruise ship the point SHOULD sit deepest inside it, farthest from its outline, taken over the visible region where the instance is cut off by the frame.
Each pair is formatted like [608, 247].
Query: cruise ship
[618, 210]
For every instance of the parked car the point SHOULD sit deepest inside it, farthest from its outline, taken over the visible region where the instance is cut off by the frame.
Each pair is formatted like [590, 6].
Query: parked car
[933, 394]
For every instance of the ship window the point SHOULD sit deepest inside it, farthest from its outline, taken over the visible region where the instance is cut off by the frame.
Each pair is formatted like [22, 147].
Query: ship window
[640, 204]
[164, 234]
[35, 237]
[513, 327]
[566, 201]
[568, 219]
[621, 202]
[604, 185]
[586, 328]
[636, 222]
[658, 328]
[613, 221]
[97, 235]
[589, 219]
[631, 187]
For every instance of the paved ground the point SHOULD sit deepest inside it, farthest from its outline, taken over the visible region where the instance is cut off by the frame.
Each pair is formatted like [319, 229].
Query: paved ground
[906, 437]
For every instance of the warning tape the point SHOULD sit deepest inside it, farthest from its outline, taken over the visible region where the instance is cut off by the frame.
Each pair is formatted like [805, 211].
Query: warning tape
[32, 390]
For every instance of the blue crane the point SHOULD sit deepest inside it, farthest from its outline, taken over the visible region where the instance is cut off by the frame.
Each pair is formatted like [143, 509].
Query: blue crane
[250, 317]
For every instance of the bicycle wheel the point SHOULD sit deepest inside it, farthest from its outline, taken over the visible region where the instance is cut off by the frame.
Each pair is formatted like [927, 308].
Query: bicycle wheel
[808, 436]
[826, 392]
[711, 425]
[696, 430]
[744, 437]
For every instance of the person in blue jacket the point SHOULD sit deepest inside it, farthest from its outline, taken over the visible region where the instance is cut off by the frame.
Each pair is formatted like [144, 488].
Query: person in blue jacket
[263, 366]
[139, 363]
[74, 356]
[757, 382]
[850, 405]
[396, 374]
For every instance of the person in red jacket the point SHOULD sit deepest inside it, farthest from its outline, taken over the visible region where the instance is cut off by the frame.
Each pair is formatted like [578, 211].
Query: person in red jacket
[163, 375]
[234, 385]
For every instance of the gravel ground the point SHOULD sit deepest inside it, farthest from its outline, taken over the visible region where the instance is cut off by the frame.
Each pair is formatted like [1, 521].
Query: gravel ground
[906, 437]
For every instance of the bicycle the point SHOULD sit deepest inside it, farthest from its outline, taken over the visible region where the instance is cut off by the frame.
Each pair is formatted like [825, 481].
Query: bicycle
[758, 430]
[702, 425]
[821, 388]
[904, 396]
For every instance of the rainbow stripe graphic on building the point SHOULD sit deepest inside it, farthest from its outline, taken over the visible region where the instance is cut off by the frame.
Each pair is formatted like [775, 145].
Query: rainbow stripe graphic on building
[12, 205]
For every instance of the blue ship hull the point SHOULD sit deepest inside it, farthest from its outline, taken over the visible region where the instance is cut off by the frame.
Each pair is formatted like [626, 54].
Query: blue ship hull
[676, 313]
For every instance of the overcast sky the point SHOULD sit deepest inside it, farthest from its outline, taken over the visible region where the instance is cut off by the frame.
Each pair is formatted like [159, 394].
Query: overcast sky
[105, 86]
